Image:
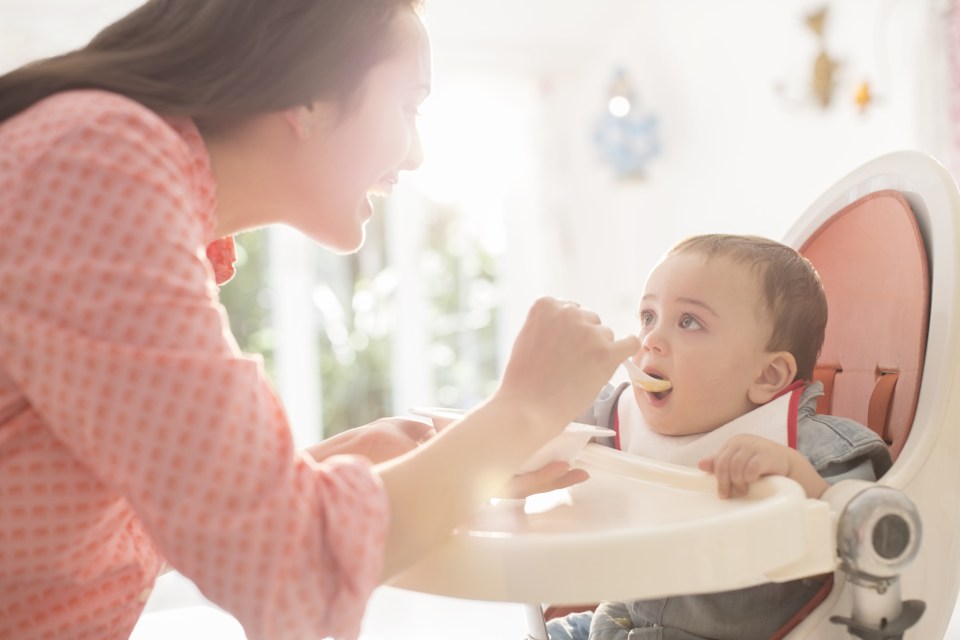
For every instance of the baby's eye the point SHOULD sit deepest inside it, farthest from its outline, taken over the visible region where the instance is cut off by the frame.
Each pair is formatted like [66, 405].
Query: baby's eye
[647, 318]
[688, 321]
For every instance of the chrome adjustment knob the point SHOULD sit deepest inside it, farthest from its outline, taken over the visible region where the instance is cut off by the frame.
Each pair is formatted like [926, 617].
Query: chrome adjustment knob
[879, 533]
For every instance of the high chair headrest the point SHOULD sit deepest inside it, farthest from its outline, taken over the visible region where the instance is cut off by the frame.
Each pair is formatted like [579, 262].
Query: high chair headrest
[873, 264]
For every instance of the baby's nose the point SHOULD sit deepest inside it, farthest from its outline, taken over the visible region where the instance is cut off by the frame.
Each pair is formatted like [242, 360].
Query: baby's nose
[653, 340]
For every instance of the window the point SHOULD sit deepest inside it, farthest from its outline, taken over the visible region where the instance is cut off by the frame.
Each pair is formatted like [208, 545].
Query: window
[420, 315]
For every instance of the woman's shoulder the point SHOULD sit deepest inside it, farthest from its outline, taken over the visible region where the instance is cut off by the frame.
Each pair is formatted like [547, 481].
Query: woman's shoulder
[80, 115]
[82, 104]
[105, 148]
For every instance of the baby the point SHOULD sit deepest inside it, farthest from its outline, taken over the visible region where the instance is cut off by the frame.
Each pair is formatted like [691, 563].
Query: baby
[735, 324]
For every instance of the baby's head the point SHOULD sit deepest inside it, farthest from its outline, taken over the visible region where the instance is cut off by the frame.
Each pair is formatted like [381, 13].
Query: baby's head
[731, 321]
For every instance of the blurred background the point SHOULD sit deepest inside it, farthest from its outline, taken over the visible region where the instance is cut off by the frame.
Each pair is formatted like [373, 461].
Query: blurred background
[568, 144]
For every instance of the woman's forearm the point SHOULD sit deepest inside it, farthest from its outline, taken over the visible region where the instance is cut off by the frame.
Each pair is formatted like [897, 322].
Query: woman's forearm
[560, 359]
[435, 488]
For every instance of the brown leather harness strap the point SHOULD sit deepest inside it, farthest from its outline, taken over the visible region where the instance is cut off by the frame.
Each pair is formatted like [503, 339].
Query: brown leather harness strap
[826, 374]
[878, 411]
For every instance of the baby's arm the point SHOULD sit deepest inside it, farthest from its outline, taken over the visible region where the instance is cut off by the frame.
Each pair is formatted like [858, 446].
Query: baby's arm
[744, 459]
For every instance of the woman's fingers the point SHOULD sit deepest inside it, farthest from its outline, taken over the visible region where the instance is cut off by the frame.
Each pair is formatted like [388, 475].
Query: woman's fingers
[417, 431]
[624, 347]
[552, 476]
[562, 357]
[590, 316]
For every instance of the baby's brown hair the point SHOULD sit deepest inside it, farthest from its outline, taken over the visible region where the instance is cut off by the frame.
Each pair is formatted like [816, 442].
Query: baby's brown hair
[790, 287]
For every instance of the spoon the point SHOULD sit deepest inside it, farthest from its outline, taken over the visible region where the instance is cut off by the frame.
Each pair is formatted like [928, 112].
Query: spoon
[645, 381]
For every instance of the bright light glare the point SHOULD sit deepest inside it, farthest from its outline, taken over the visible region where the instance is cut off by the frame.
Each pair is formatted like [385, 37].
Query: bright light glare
[479, 144]
[619, 106]
[474, 142]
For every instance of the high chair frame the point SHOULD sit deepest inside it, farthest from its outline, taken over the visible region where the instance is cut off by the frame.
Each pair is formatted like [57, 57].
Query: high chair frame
[926, 469]
[640, 528]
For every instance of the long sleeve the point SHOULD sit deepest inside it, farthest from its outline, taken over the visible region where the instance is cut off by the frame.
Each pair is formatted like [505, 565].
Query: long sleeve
[173, 442]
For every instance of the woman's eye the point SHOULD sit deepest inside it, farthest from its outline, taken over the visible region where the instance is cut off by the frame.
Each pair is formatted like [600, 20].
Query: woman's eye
[689, 322]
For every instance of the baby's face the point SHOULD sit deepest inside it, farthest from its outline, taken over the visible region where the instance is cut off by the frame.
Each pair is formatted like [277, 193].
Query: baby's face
[703, 327]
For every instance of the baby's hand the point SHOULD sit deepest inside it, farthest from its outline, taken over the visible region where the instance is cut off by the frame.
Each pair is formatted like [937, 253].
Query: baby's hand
[744, 459]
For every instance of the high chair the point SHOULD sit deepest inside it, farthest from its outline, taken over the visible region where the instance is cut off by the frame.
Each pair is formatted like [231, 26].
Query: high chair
[885, 240]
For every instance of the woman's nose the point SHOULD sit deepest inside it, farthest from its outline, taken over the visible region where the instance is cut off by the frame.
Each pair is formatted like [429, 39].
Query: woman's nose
[414, 155]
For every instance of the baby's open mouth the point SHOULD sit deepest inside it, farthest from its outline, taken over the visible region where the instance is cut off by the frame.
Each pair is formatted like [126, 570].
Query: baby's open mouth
[660, 394]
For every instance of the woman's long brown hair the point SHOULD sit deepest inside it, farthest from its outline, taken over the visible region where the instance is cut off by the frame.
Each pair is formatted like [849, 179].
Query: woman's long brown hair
[219, 61]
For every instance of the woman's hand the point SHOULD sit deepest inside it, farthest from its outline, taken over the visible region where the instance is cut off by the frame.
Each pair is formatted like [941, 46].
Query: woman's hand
[744, 459]
[561, 358]
[388, 438]
[379, 441]
[555, 475]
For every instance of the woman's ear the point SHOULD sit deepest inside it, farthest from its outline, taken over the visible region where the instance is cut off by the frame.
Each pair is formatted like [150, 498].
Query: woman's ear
[302, 120]
[779, 370]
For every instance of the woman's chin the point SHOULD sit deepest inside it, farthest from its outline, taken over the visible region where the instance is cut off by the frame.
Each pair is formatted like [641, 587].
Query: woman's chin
[344, 242]
[351, 245]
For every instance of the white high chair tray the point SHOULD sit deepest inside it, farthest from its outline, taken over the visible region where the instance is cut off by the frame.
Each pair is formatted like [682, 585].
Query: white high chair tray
[636, 529]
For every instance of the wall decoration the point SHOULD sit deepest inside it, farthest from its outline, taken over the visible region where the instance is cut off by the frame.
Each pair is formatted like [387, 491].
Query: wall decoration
[626, 135]
[863, 97]
[823, 79]
[861, 78]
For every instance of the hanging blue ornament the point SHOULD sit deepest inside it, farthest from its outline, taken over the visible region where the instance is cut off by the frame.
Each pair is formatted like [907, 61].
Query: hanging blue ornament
[626, 137]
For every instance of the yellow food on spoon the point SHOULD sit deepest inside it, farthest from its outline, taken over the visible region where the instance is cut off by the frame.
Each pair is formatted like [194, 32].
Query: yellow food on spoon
[652, 385]
[644, 380]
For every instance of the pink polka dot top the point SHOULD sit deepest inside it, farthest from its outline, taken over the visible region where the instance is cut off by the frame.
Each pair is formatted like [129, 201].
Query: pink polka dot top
[132, 430]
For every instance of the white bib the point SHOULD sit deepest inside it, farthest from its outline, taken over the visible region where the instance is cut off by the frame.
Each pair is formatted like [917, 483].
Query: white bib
[776, 420]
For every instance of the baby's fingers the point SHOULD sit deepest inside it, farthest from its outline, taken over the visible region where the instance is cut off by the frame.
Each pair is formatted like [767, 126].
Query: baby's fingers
[740, 472]
[727, 467]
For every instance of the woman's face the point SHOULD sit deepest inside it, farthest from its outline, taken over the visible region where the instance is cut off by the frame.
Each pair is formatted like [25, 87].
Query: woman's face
[351, 154]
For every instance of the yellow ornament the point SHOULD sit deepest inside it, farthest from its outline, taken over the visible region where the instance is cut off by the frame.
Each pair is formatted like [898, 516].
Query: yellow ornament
[824, 68]
[863, 96]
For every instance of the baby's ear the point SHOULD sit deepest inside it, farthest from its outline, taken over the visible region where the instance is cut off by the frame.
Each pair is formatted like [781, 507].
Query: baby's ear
[779, 370]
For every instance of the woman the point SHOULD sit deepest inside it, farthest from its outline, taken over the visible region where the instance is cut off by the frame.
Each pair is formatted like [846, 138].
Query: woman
[132, 431]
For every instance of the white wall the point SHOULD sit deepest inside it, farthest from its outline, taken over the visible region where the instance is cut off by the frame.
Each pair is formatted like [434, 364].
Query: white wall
[745, 149]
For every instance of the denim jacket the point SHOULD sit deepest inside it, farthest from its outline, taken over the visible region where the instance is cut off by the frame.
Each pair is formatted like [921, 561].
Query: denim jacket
[838, 448]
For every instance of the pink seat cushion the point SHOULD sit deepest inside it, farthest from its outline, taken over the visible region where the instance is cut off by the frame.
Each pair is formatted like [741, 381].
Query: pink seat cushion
[871, 258]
